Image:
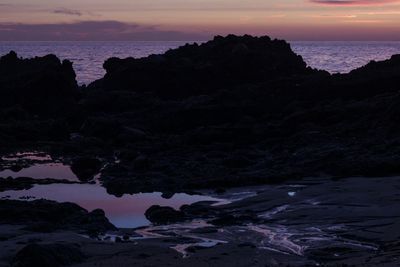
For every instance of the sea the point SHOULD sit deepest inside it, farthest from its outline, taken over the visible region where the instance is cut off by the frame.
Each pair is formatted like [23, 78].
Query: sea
[88, 57]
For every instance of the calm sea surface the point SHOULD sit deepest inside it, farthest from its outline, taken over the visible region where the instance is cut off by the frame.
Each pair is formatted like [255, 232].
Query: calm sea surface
[88, 57]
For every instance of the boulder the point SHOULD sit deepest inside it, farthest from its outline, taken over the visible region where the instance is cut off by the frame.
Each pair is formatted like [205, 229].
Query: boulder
[164, 215]
[85, 168]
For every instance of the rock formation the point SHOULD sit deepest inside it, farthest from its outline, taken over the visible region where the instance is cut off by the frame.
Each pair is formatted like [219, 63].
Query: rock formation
[228, 112]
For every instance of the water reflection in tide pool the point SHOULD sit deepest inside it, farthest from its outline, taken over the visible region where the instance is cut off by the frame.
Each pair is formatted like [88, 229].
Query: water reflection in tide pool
[124, 212]
[42, 171]
[35, 164]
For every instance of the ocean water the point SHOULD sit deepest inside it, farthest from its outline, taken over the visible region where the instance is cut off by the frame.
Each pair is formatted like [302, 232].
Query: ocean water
[88, 57]
[342, 57]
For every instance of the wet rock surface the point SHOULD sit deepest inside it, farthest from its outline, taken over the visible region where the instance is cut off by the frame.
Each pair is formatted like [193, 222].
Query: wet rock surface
[313, 222]
[326, 222]
[225, 61]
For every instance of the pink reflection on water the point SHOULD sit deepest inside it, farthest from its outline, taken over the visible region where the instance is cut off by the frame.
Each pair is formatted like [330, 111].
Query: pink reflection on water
[38, 156]
[42, 171]
[125, 212]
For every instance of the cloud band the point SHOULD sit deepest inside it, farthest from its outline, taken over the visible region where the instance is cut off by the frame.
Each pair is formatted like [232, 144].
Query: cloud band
[353, 2]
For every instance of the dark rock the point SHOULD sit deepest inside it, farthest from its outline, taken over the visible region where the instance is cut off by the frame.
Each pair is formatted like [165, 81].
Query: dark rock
[16, 168]
[224, 61]
[237, 110]
[220, 191]
[67, 216]
[48, 255]
[41, 85]
[143, 256]
[205, 230]
[371, 79]
[86, 168]
[164, 215]
[141, 163]
[228, 219]
[198, 209]
[101, 127]
[225, 220]
[333, 253]
[132, 134]
[41, 227]
[247, 244]
[192, 249]
[167, 195]
[236, 162]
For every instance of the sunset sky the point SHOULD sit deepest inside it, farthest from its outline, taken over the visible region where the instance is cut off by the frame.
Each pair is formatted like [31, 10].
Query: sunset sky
[198, 19]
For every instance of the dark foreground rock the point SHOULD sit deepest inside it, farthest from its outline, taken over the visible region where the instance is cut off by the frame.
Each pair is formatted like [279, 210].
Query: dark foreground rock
[325, 222]
[43, 85]
[48, 255]
[233, 111]
[313, 222]
[38, 97]
[163, 215]
[85, 168]
[231, 126]
[45, 216]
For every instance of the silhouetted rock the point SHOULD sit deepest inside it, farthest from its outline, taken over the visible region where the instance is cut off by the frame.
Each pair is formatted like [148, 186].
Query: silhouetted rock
[231, 112]
[60, 215]
[197, 69]
[85, 168]
[237, 110]
[38, 96]
[101, 126]
[16, 168]
[48, 255]
[372, 79]
[162, 215]
[41, 85]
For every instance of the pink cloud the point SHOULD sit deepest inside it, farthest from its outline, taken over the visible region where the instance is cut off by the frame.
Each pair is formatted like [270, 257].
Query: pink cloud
[92, 31]
[353, 2]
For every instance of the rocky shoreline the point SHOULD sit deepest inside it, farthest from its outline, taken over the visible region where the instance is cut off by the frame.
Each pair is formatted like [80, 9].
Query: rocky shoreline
[207, 115]
[313, 222]
[235, 111]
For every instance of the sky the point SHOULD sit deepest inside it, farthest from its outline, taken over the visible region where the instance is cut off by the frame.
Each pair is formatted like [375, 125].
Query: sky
[116, 20]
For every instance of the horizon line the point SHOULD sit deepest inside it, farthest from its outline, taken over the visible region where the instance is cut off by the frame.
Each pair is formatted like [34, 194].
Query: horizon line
[205, 40]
